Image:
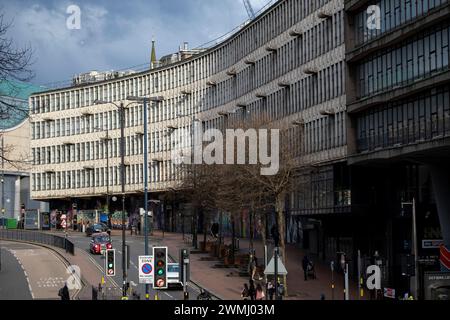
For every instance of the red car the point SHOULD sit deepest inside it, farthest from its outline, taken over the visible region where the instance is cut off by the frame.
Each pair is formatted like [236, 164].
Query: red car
[99, 243]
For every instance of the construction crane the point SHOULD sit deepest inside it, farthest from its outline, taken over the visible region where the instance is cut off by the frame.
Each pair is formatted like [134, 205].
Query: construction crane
[249, 8]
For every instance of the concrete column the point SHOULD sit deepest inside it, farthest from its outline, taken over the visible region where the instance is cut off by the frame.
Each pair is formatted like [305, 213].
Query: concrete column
[440, 175]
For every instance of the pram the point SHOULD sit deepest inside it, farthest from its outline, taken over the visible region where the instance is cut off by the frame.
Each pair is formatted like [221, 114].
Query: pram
[310, 270]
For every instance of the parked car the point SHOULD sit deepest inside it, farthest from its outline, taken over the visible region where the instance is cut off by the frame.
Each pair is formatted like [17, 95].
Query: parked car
[99, 243]
[173, 275]
[97, 228]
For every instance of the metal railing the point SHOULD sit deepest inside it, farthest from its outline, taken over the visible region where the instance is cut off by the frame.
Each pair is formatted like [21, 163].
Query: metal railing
[38, 237]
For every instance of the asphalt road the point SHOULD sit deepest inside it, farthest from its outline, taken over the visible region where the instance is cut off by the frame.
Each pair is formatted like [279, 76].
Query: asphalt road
[30, 272]
[136, 249]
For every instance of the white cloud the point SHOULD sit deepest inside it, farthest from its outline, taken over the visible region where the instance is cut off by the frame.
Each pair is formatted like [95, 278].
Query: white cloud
[116, 34]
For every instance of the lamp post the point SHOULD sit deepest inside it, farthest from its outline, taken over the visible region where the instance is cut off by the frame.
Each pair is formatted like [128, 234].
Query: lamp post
[3, 116]
[414, 246]
[145, 100]
[106, 141]
[121, 109]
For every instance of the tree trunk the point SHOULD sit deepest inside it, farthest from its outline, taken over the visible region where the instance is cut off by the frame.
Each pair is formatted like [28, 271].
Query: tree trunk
[233, 236]
[281, 230]
[194, 229]
[251, 219]
[205, 227]
[263, 219]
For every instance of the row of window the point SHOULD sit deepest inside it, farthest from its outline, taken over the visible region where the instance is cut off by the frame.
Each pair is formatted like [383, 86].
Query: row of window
[323, 190]
[101, 177]
[416, 58]
[314, 42]
[393, 13]
[419, 118]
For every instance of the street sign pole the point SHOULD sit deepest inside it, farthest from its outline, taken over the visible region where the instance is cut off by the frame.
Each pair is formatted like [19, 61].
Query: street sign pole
[332, 280]
[347, 297]
[147, 287]
[416, 265]
[359, 275]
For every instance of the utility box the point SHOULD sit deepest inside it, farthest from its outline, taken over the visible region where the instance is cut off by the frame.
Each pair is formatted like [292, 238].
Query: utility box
[11, 223]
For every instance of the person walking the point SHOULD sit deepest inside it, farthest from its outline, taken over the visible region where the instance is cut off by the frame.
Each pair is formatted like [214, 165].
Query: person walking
[245, 294]
[270, 289]
[259, 292]
[275, 235]
[305, 264]
[64, 292]
[139, 226]
[252, 290]
[280, 291]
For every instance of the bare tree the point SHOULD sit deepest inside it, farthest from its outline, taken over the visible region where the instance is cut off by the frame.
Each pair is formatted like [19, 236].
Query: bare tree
[14, 65]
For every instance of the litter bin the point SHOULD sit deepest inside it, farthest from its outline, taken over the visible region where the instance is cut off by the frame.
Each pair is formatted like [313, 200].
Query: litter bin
[11, 224]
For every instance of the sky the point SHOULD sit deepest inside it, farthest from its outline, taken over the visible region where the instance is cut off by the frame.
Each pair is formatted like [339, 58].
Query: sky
[114, 34]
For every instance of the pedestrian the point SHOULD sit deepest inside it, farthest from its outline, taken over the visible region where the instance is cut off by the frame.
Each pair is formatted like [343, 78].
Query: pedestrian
[259, 292]
[270, 289]
[322, 296]
[139, 226]
[252, 290]
[245, 294]
[280, 291]
[305, 264]
[275, 235]
[64, 292]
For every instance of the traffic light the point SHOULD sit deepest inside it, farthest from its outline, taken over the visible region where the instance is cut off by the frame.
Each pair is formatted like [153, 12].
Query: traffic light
[184, 265]
[160, 266]
[110, 262]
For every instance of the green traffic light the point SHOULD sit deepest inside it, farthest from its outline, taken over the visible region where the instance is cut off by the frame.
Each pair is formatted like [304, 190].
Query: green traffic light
[160, 272]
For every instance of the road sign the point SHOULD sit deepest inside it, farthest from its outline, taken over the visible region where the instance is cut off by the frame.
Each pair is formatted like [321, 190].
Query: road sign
[389, 293]
[270, 269]
[146, 269]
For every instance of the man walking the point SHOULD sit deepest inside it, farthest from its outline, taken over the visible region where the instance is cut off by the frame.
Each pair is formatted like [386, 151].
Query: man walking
[305, 264]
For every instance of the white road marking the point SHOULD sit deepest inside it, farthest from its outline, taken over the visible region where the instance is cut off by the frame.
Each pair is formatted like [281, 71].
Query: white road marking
[168, 294]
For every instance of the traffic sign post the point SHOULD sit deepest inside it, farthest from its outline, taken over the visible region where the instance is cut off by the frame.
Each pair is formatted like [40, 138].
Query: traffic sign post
[184, 270]
[146, 269]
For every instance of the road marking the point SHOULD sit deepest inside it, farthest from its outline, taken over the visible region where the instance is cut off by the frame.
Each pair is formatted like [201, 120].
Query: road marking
[102, 270]
[168, 294]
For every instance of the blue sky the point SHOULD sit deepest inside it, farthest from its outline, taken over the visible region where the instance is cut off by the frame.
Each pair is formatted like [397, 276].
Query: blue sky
[114, 34]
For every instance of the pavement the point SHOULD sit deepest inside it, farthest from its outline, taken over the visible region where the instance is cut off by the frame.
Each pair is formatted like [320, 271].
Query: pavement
[226, 284]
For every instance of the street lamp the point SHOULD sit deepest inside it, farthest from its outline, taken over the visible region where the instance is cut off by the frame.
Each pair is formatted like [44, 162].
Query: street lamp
[145, 100]
[121, 109]
[3, 116]
[414, 249]
[106, 141]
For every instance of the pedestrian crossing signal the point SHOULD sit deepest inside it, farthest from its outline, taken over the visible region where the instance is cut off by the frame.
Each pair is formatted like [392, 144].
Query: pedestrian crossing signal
[110, 262]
